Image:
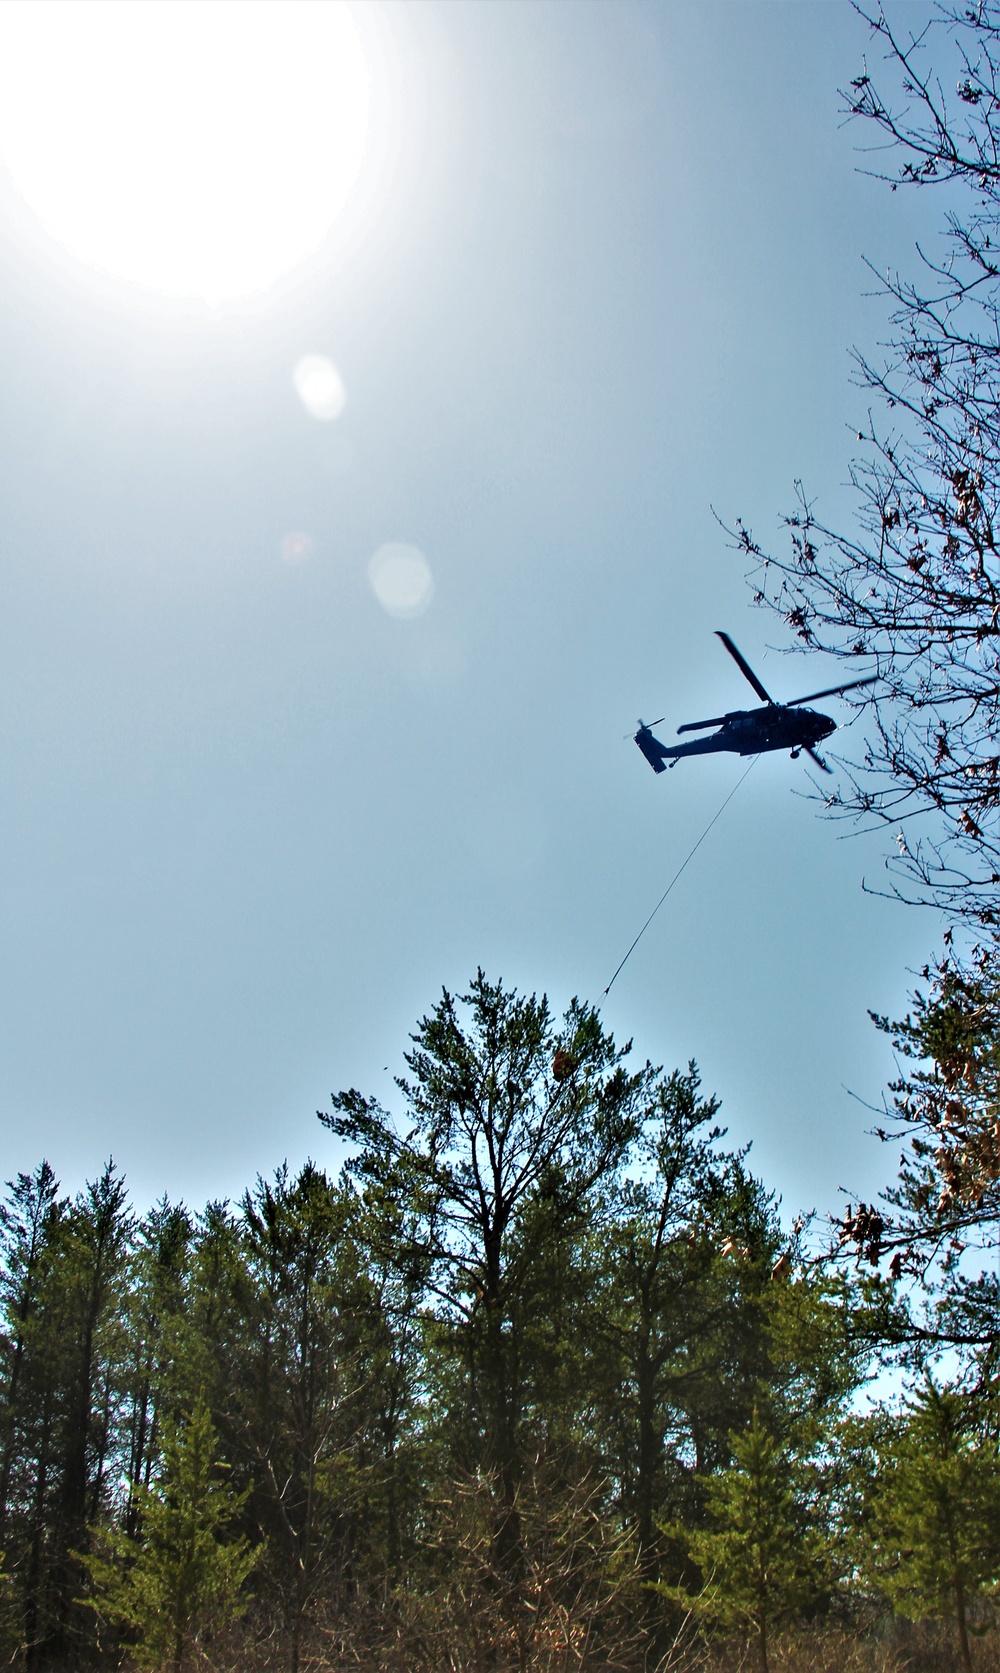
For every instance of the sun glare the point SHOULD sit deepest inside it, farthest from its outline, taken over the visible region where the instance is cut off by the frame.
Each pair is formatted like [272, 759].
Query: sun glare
[199, 150]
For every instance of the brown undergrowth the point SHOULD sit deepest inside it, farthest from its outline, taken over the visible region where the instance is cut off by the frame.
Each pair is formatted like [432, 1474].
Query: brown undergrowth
[892, 1647]
[452, 1641]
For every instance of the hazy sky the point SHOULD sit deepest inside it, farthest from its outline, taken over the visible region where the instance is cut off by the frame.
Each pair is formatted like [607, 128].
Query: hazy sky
[602, 273]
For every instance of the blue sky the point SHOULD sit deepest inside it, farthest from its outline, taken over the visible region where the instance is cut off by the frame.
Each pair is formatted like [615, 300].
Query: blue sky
[607, 278]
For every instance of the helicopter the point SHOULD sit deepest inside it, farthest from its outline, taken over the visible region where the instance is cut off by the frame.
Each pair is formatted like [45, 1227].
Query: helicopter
[751, 731]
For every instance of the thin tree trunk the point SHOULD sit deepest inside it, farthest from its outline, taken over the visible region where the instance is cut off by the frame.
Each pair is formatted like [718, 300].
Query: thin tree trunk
[647, 1459]
[10, 1402]
[762, 1643]
[34, 1627]
[963, 1632]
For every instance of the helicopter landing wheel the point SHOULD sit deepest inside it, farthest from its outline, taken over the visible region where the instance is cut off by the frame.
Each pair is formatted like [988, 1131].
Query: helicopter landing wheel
[795, 754]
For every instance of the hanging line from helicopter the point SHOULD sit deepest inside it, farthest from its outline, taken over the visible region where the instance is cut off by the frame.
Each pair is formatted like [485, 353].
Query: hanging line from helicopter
[678, 873]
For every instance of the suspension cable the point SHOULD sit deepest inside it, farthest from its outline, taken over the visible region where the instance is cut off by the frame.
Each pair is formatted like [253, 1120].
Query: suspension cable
[681, 868]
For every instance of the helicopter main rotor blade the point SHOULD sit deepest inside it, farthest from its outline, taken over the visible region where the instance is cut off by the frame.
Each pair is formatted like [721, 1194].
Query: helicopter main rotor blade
[832, 691]
[821, 764]
[700, 725]
[744, 666]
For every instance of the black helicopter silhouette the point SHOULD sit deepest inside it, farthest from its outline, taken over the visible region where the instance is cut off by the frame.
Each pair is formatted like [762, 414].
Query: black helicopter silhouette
[752, 731]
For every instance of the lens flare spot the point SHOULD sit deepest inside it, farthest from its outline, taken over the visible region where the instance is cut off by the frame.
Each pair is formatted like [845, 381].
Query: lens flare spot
[401, 579]
[297, 546]
[320, 387]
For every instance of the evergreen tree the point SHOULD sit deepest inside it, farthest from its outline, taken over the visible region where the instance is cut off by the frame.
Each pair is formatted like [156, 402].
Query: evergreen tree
[65, 1282]
[159, 1373]
[31, 1221]
[933, 1532]
[279, 1330]
[663, 1298]
[944, 1206]
[93, 1280]
[26, 1220]
[762, 1555]
[182, 1578]
[515, 1125]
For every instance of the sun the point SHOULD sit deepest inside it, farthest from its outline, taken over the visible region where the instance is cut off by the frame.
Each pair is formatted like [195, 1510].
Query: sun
[199, 150]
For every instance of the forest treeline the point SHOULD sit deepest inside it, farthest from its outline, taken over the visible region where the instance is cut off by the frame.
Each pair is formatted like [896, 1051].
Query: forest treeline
[538, 1380]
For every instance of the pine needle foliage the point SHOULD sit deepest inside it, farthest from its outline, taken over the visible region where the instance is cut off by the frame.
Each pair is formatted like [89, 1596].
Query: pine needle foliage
[935, 1529]
[182, 1579]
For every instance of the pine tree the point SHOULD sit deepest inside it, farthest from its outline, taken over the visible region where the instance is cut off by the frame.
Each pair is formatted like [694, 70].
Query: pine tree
[160, 1358]
[280, 1319]
[660, 1303]
[515, 1126]
[762, 1556]
[934, 1531]
[90, 1284]
[180, 1579]
[26, 1221]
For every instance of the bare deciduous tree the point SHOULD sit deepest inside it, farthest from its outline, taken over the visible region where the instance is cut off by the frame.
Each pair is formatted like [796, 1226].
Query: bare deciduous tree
[915, 591]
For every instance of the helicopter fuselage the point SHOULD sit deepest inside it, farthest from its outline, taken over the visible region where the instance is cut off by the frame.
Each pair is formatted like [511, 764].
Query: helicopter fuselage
[746, 732]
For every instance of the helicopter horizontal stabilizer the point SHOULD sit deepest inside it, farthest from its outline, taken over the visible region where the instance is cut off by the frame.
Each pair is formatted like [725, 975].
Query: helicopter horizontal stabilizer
[652, 749]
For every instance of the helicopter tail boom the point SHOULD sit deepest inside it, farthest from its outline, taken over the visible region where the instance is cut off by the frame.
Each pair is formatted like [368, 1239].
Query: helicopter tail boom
[700, 725]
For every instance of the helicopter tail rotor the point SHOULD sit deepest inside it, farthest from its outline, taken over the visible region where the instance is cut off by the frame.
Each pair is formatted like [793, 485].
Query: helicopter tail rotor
[652, 749]
[644, 726]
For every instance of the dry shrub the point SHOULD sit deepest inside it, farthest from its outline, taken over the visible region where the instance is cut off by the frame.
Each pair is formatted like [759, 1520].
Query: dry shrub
[892, 1647]
[463, 1631]
[562, 1602]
